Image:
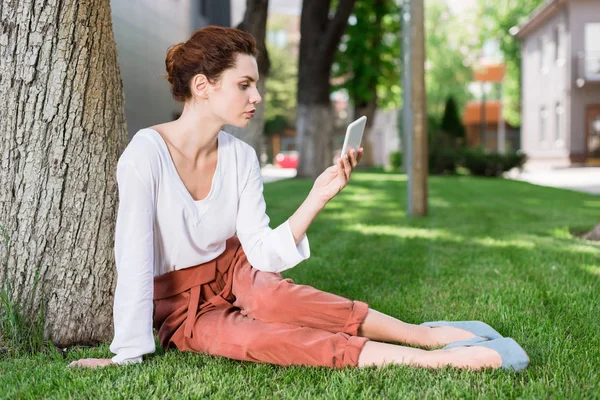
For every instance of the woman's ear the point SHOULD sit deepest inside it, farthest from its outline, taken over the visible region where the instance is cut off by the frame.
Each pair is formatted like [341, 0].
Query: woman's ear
[199, 86]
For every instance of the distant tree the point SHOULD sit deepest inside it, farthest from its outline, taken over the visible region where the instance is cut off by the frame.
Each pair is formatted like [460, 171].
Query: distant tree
[448, 45]
[280, 99]
[368, 61]
[451, 122]
[321, 27]
[495, 20]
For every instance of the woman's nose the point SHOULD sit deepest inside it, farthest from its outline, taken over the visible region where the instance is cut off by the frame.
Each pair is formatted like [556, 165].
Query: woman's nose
[255, 98]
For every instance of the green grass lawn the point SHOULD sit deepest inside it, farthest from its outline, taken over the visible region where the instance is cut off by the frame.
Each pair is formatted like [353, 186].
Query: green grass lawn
[492, 250]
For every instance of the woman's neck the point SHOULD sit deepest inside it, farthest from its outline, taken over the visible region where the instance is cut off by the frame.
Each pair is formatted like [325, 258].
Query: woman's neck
[197, 132]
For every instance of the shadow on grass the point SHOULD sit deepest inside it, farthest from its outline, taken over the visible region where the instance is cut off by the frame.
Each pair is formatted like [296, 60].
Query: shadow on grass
[483, 253]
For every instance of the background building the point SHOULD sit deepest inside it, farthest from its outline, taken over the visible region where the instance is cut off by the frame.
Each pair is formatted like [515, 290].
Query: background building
[561, 83]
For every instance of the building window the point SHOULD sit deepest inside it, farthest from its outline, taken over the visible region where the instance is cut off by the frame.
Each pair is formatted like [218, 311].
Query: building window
[559, 121]
[592, 51]
[541, 52]
[543, 124]
[559, 43]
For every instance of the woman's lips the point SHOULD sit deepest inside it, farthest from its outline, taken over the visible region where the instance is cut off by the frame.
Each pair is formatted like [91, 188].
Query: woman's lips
[250, 113]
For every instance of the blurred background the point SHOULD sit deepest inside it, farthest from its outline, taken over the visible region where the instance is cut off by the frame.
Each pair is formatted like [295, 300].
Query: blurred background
[509, 84]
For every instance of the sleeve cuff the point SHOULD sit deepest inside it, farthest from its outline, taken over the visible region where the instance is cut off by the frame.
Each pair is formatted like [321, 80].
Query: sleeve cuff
[124, 361]
[289, 252]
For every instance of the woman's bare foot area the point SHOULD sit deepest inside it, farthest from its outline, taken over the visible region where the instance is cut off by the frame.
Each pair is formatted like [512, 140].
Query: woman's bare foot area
[474, 357]
[91, 362]
[443, 335]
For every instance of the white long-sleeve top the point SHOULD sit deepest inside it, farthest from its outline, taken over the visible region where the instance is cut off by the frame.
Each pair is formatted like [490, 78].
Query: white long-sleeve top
[161, 228]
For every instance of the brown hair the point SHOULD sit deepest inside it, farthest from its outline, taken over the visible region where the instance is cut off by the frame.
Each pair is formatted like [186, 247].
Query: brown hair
[210, 51]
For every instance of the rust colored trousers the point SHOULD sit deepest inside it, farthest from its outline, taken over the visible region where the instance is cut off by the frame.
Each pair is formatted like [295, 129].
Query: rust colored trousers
[227, 308]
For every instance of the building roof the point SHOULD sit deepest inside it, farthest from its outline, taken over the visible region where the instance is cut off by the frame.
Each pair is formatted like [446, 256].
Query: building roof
[537, 17]
[489, 73]
[472, 113]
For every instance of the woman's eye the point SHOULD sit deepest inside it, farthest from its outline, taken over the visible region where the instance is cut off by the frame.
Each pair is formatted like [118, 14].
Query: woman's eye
[244, 86]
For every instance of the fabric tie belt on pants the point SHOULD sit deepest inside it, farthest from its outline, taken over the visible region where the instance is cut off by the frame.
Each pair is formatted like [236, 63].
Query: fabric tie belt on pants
[205, 279]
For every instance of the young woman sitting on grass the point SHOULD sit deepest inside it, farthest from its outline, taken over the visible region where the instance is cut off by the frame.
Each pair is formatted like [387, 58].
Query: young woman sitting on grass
[192, 236]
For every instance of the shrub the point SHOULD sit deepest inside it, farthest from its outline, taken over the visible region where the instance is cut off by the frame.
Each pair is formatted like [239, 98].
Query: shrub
[451, 122]
[491, 164]
[444, 161]
[396, 160]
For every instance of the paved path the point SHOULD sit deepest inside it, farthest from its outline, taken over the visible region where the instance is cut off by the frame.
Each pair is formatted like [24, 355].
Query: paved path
[272, 174]
[583, 179]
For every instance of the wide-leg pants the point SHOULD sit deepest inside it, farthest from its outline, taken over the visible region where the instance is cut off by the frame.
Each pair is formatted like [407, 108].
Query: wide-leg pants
[226, 307]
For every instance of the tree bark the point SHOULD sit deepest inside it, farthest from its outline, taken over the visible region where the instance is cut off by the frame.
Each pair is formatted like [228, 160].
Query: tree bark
[62, 128]
[255, 23]
[320, 36]
[420, 168]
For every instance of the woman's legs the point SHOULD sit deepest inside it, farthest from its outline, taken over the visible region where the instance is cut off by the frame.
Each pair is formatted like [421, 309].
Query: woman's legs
[376, 353]
[268, 297]
[381, 327]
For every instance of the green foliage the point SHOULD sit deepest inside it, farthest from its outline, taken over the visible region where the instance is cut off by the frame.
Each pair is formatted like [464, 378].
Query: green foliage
[368, 57]
[491, 164]
[20, 333]
[444, 148]
[447, 154]
[447, 44]
[280, 99]
[444, 161]
[495, 20]
[396, 160]
[451, 122]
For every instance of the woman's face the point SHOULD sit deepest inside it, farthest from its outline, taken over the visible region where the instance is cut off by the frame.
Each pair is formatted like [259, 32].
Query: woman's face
[234, 97]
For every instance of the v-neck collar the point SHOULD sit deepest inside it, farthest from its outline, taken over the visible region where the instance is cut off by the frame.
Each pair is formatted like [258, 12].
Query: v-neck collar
[196, 207]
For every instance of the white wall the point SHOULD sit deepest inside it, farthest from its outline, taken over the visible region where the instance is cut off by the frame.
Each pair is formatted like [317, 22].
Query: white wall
[546, 87]
[385, 137]
[144, 30]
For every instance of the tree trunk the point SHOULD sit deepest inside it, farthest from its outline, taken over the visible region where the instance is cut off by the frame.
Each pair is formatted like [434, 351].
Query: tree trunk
[62, 128]
[418, 186]
[594, 234]
[320, 36]
[255, 23]
[313, 138]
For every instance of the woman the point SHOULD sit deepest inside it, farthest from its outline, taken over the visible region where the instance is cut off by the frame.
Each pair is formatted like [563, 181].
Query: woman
[193, 236]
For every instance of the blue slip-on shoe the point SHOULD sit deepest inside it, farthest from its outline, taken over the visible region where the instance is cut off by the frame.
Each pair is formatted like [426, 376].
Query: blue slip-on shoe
[512, 354]
[478, 328]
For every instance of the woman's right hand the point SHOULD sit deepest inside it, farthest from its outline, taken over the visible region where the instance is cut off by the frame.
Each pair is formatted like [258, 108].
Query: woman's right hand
[92, 362]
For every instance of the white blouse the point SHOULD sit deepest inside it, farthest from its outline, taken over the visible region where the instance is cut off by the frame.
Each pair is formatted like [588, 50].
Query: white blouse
[161, 228]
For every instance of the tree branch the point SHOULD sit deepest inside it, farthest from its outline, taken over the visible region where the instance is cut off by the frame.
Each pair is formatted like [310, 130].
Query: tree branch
[337, 25]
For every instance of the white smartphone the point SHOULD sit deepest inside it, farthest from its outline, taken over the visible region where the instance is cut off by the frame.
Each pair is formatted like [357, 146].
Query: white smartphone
[354, 134]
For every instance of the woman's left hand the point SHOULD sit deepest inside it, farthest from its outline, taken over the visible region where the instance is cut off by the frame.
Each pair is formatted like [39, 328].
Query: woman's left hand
[336, 177]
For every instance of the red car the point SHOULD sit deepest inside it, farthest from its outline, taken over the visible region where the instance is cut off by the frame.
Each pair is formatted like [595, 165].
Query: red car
[287, 159]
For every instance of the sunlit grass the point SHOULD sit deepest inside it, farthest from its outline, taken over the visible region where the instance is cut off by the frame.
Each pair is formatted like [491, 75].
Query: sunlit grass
[493, 250]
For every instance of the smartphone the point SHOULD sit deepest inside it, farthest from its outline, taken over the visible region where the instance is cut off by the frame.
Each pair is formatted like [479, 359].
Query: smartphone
[354, 134]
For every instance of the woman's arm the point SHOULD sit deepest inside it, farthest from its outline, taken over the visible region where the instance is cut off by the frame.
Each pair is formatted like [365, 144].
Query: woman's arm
[134, 256]
[284, 247]
[326, 187]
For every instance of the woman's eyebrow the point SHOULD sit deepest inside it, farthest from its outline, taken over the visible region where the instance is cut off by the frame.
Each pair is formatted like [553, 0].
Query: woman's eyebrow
[251, 79]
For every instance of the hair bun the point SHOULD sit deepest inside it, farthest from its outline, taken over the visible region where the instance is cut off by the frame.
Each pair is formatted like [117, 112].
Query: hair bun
[172, 54]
